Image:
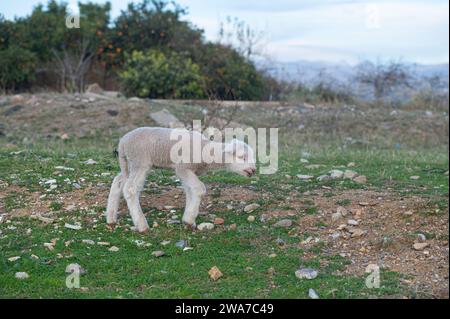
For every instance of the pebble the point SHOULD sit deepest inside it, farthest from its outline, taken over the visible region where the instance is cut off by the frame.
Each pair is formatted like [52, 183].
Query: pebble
[103, 243]
[420, 246]
[414, 178]
[336, 216]
[313, 294]
[215, 273]
[205, 226]
[250, 208]
[335, 174]
[158, 253]
[323, 178]
[219, 221]
[181, 244]
[350, 174]
[88, 242]
[90, 162]
[165, 242]
[12, 259]
[305, 177]
[421, 238]
[21, 275]
[251, 218]
[283, 223]
[113, 249]
[74, 227]
[352, 222]
[360, 179]
[306, 273]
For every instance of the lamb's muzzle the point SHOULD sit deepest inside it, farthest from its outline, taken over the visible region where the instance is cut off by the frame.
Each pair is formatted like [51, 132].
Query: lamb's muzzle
[152, 147]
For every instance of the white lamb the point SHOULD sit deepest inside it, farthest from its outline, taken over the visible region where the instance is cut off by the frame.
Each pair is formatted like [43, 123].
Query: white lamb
[148, 147]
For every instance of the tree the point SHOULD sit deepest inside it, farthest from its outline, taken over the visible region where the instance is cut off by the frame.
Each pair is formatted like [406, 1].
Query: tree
[383, 78]
[17, 66]
[155, 74]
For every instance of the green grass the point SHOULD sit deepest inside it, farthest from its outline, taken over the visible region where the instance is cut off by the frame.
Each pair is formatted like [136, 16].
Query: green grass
[241, 254]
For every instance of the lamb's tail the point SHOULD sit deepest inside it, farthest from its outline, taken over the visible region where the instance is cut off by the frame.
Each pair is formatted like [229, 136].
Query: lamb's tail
[122, 160]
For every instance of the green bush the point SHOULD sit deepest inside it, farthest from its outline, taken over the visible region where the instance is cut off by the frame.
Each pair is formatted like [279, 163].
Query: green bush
[155, 74]
[17, 68]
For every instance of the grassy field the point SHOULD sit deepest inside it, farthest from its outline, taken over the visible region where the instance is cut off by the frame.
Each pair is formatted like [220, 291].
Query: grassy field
[257, 259]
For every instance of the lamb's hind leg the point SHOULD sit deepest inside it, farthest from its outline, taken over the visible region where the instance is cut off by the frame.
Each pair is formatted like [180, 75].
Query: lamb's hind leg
[114, 199]
[195, 189]
[131, 191]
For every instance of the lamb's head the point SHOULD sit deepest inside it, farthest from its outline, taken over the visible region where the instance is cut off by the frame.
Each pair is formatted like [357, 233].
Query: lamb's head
[240, 158]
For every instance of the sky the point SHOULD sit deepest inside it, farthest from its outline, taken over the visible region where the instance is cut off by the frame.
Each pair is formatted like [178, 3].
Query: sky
[318, 30]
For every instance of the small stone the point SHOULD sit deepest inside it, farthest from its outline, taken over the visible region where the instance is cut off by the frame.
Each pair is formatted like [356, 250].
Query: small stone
[351, 164]
[21, 275]
[306, 273]
[336, 216]
[356, 232]
[219, 221]
[34, 256]
[49, 246]
[232, 226]
[12, 259]
[335, 174]
[342, 210]
[74, 227]
[305, 177]
[280, 242]
[158, 253]
[352, 222]
[215, 273]
[312, 294]
[205, 226]
[88, 242]
[251, 218]
[420, 246]
[283, 223]
[103, 243]
[165, 242]
[414, 178]
[272, 255]
[348, 174]
[360, 179]
[323, 178]
[408, 213]
[90, 162]
[113, 249]
[155, 225]
[313, 166]
[421, 238]
[250, 208]
[65, 137]
[181, 244]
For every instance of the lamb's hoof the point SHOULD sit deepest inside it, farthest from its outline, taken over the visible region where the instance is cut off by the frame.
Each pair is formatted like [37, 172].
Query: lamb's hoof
[111, 226]
[144, 232]
[192, 227]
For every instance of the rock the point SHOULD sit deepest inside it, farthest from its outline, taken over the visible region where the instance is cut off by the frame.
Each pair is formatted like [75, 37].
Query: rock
[360, 179]
[306, 273]
[313, 166]
[305, 177]
[219, 221]
[12, 259]
[323, 178]
[283, 223]
[70, 226]
[75, 268]
[181, 244]
[352, 222]
[414, 178]
[103, 243]
[335, 174]
[215, 273]
[342, 210]
[350, 174]
[273, 255]
[205, 226]
[356, 232]
[420, 246]
[304, 161]
[21, 275]
[312, 294]
[165, 242]
[166, 119]
[408, 213]
[65, 137]
[90, 162]
[421, 238]
[88, 242]
[158, 253]
[94, 88]
[251, 218]
[49, 246]
[113, 249]
[250, 208]
[112, 112]
[232, 227]
[336, 216]
[280, 242]
[351, 164]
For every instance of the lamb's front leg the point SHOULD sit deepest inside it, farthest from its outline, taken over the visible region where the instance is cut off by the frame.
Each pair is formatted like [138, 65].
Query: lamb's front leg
[194, 189]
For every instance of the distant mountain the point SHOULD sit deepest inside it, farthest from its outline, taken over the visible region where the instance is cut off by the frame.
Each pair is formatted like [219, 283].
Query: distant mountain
[309, 72]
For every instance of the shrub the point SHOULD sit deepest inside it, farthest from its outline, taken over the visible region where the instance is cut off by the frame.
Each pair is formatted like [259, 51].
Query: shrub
[155, 74]
[17, 68]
